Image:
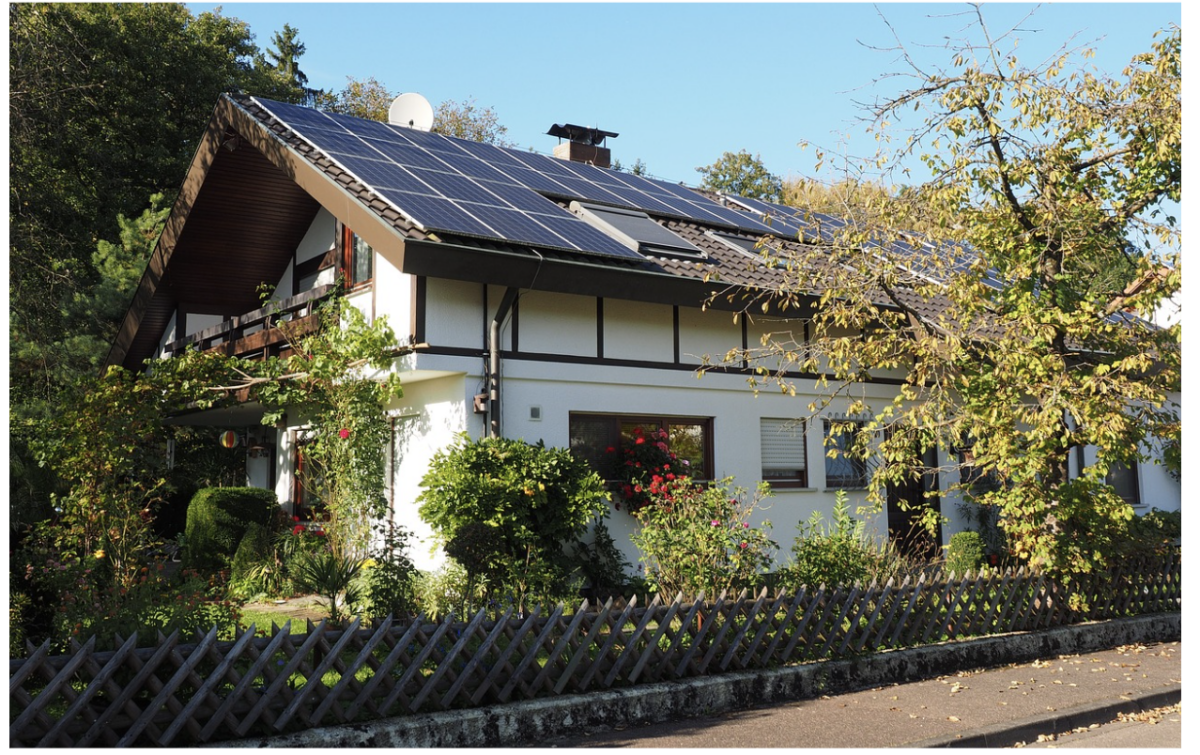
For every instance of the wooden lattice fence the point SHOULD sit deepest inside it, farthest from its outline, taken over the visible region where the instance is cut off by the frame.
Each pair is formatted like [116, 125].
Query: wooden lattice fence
[208, 690]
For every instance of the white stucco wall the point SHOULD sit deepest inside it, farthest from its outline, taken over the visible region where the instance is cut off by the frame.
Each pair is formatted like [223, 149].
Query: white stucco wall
[428, 418]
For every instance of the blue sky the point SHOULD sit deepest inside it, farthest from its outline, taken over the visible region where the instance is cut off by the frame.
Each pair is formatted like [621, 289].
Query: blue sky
[681, 83]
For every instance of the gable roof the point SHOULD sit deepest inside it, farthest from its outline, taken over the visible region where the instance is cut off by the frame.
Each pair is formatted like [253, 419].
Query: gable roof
[431, 205]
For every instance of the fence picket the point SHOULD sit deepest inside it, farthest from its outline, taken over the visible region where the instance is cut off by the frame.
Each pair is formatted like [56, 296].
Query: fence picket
[631, 642]
[539, 642]
[616, 630]
[664, 625]
[784, 627]
[477, 658]
[224, 713]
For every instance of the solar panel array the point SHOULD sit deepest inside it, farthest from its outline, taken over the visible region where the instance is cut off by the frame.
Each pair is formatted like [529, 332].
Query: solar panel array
[919, 255]
[476, 189]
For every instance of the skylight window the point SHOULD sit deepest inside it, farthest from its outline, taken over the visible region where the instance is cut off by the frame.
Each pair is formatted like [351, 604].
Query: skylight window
[637, 231]
[768, 255]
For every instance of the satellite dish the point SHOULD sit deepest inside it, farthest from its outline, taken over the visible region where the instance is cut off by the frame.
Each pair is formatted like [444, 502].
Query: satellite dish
[411, 110]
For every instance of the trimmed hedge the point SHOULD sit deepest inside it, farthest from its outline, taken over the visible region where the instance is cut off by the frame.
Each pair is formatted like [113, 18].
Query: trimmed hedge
[217, 520]
[966, 553]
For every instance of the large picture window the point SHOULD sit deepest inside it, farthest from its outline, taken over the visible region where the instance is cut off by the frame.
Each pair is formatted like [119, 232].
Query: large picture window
[842, 470]
[690, 438]
[784, 452]
[358, 259]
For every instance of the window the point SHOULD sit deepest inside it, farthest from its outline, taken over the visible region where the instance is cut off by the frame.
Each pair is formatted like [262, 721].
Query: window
[784, 452]
[307, 484]
[358, 259]
[842, 471]
[769, 254]
[637, 230]
[1124, 479]
[690, 438]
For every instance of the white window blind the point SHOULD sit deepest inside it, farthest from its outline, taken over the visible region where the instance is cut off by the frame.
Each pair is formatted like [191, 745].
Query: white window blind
[783, 449]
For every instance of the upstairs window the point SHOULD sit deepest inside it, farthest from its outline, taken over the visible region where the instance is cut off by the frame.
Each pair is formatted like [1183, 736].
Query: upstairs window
[784, 452]
[358, 260]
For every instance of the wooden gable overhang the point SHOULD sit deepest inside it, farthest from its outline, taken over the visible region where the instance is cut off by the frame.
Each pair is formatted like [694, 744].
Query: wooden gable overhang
[243, 208]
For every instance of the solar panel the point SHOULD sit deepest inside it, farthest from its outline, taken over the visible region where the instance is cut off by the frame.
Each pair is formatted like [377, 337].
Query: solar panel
[457, 186]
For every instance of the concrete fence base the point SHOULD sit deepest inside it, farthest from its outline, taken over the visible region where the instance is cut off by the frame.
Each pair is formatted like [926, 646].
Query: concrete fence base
[528, 722]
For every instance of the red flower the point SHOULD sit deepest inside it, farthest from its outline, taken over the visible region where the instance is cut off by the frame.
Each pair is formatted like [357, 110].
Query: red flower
[299, 528]
[343, 433]
[640, 440]
[610, 450]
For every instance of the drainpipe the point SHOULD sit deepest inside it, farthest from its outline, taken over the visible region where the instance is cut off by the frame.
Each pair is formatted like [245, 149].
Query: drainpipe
[510, 297]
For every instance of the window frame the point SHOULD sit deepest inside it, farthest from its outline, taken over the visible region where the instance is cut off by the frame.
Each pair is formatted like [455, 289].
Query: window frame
[800, 480]
[659, 421]
[1135, 481]
[301, 507]
[860, 467]
[348, 257]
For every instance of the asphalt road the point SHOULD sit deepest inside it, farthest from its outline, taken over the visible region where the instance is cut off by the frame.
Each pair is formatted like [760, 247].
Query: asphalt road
[984, 707]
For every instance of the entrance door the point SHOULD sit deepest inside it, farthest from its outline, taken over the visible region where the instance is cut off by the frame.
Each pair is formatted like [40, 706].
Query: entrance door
[906, 503]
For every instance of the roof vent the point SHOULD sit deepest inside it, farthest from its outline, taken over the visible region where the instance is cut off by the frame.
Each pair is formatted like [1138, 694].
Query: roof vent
[585, 145]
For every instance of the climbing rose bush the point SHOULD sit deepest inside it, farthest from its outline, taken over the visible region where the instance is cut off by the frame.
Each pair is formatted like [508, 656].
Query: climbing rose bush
[698, 538]
[644, 465]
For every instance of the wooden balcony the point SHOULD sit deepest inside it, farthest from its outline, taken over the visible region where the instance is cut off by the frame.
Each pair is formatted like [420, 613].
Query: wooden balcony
[257, 334]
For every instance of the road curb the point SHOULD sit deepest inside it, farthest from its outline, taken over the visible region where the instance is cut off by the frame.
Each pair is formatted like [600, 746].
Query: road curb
[1010, 733]
[534, 721]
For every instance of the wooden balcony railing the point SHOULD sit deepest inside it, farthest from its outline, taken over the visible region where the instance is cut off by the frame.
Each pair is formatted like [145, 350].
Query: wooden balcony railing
[255, 334]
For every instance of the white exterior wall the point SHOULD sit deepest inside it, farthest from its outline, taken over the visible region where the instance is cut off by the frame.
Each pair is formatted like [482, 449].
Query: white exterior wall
[429, 417]
[393, 296]
[168, 335]
[320, 238]
[434, 410]
[194, 322]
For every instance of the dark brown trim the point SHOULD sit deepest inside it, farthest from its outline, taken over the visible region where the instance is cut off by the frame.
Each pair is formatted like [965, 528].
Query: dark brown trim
[528, 356]
[745, 341]
[599, 327]
[312, 267]
[515, 325]
[675, 331]
[419, 305]
[486, 322]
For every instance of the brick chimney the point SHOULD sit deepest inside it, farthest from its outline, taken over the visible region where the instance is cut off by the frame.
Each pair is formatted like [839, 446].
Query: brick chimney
[583, 145]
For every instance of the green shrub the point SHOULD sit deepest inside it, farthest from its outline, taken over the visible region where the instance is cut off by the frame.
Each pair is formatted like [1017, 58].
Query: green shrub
[837, 555]
[533, 501]
[442, 591]
[390, 581]
[217, 520]
[697, 538]
[966, 553]
[601, 564]
[333, 577]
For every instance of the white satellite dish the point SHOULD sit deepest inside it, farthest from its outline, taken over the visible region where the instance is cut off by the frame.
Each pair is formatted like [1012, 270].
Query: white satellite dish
[411, 110]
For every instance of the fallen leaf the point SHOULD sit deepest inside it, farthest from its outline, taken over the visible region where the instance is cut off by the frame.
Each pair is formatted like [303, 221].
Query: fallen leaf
[952, 718]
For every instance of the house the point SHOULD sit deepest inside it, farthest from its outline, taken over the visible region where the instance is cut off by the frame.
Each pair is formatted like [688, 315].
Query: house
[551, 298]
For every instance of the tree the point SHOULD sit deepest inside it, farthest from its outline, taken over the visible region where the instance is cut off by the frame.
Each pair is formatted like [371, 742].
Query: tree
[1015, 361]
[285, 57]
[638, 168]
[743, 175]
[366, 98]
[467, 120]
[106, 104]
